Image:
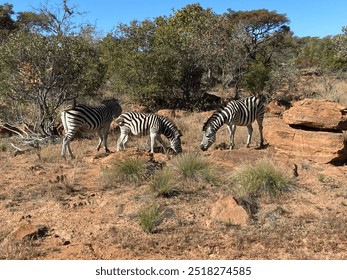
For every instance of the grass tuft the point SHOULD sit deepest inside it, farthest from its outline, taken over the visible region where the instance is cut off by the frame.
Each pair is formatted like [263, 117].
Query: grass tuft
[261, 178]
[194, 167]
[150, 217]
[126, 171]
[163, 182]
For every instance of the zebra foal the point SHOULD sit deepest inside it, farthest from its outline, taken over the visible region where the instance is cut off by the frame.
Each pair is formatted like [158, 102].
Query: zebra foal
[89, 119]
[152, 124]
[242, 112]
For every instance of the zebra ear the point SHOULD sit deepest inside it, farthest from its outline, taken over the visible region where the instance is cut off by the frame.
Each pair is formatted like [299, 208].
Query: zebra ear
[119, 120]
[180, 133]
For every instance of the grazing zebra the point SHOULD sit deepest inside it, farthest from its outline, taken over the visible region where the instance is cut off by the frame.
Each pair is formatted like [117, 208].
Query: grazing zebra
[242, 112]
[152, 124]
[88, 119]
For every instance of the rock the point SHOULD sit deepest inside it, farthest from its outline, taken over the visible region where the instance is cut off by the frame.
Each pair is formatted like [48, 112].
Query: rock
[226, 210]
[25, 231]
[317, 114]
[317, 146]
[273, 108]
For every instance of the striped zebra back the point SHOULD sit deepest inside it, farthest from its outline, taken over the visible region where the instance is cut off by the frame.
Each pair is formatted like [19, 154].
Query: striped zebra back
[144, 123]
[90, 118]
[239, 112]
[242, 112]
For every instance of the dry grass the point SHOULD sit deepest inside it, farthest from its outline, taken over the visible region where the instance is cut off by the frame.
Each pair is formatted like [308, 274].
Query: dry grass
[92, 201]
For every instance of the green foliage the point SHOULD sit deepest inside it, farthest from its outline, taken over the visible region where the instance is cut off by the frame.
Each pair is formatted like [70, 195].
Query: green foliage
[172, 61]
[47, 63]
[7, 24]
[256, 77]
[261, 178]
[150, 217]
[318, 53]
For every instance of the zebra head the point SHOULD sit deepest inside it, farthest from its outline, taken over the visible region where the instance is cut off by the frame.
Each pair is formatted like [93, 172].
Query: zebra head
[175, 142]
[208, 137]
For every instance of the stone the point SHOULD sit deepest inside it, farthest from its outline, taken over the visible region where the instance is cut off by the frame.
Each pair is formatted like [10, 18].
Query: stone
[317, 146]
[273, 108]
[25, 231]
[317, 114]
[226, 210]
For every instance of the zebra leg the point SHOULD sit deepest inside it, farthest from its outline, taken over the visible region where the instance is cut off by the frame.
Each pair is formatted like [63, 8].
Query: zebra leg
[63, 148]
[153, 137]
[232, 129]
[123, 138]
[66, 144]
[260, 124]
[100, 134]
[105, 136]
[249, 138]
[161, 142]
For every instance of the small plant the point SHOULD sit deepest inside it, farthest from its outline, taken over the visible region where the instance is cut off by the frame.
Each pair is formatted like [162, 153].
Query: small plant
[150, 217]
[193, 166]
[3, 146]
[261, 178]
[128, 170]
[163, 182]
[321, 177]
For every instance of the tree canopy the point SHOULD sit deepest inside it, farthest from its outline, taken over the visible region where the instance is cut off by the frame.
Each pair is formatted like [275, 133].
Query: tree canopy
[48, 57]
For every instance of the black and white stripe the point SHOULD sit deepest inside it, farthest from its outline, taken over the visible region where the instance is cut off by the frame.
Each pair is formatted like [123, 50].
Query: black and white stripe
[89, 119]
[242, 112]
[143, 124]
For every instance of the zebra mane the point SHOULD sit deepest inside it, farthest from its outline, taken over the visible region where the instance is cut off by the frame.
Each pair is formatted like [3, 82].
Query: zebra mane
[216, 115]
[171, 124]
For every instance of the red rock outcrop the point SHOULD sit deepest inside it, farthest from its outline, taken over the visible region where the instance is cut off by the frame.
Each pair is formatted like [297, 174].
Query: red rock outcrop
[317, 146]
[317, 114]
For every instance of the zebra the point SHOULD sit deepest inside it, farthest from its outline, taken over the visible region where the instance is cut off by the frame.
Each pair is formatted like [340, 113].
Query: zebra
[143, 124]
[242, 112]
[89, 119]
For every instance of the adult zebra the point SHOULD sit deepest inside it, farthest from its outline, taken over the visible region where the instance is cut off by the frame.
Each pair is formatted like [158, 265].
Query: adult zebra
[242, 112]
[89, 119]
[152, 124]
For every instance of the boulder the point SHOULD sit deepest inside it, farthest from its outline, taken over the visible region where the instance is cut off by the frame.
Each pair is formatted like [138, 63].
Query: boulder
[227, 210]
[317, 146]
[317, 114]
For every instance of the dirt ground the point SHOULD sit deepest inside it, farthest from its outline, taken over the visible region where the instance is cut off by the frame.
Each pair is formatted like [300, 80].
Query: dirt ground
[75, 216]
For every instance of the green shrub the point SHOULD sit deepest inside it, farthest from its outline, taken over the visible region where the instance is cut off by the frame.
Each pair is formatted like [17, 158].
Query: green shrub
[261, 178]
[150, 217]
[163, 182]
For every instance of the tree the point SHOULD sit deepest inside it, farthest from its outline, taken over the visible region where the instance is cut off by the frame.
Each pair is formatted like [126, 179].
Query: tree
[340, 42]
[260, 35]
[48, 69]
[7, 24]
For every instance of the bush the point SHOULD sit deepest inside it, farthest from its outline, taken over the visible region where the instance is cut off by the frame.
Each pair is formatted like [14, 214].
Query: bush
[261, 178]
[150, 217]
